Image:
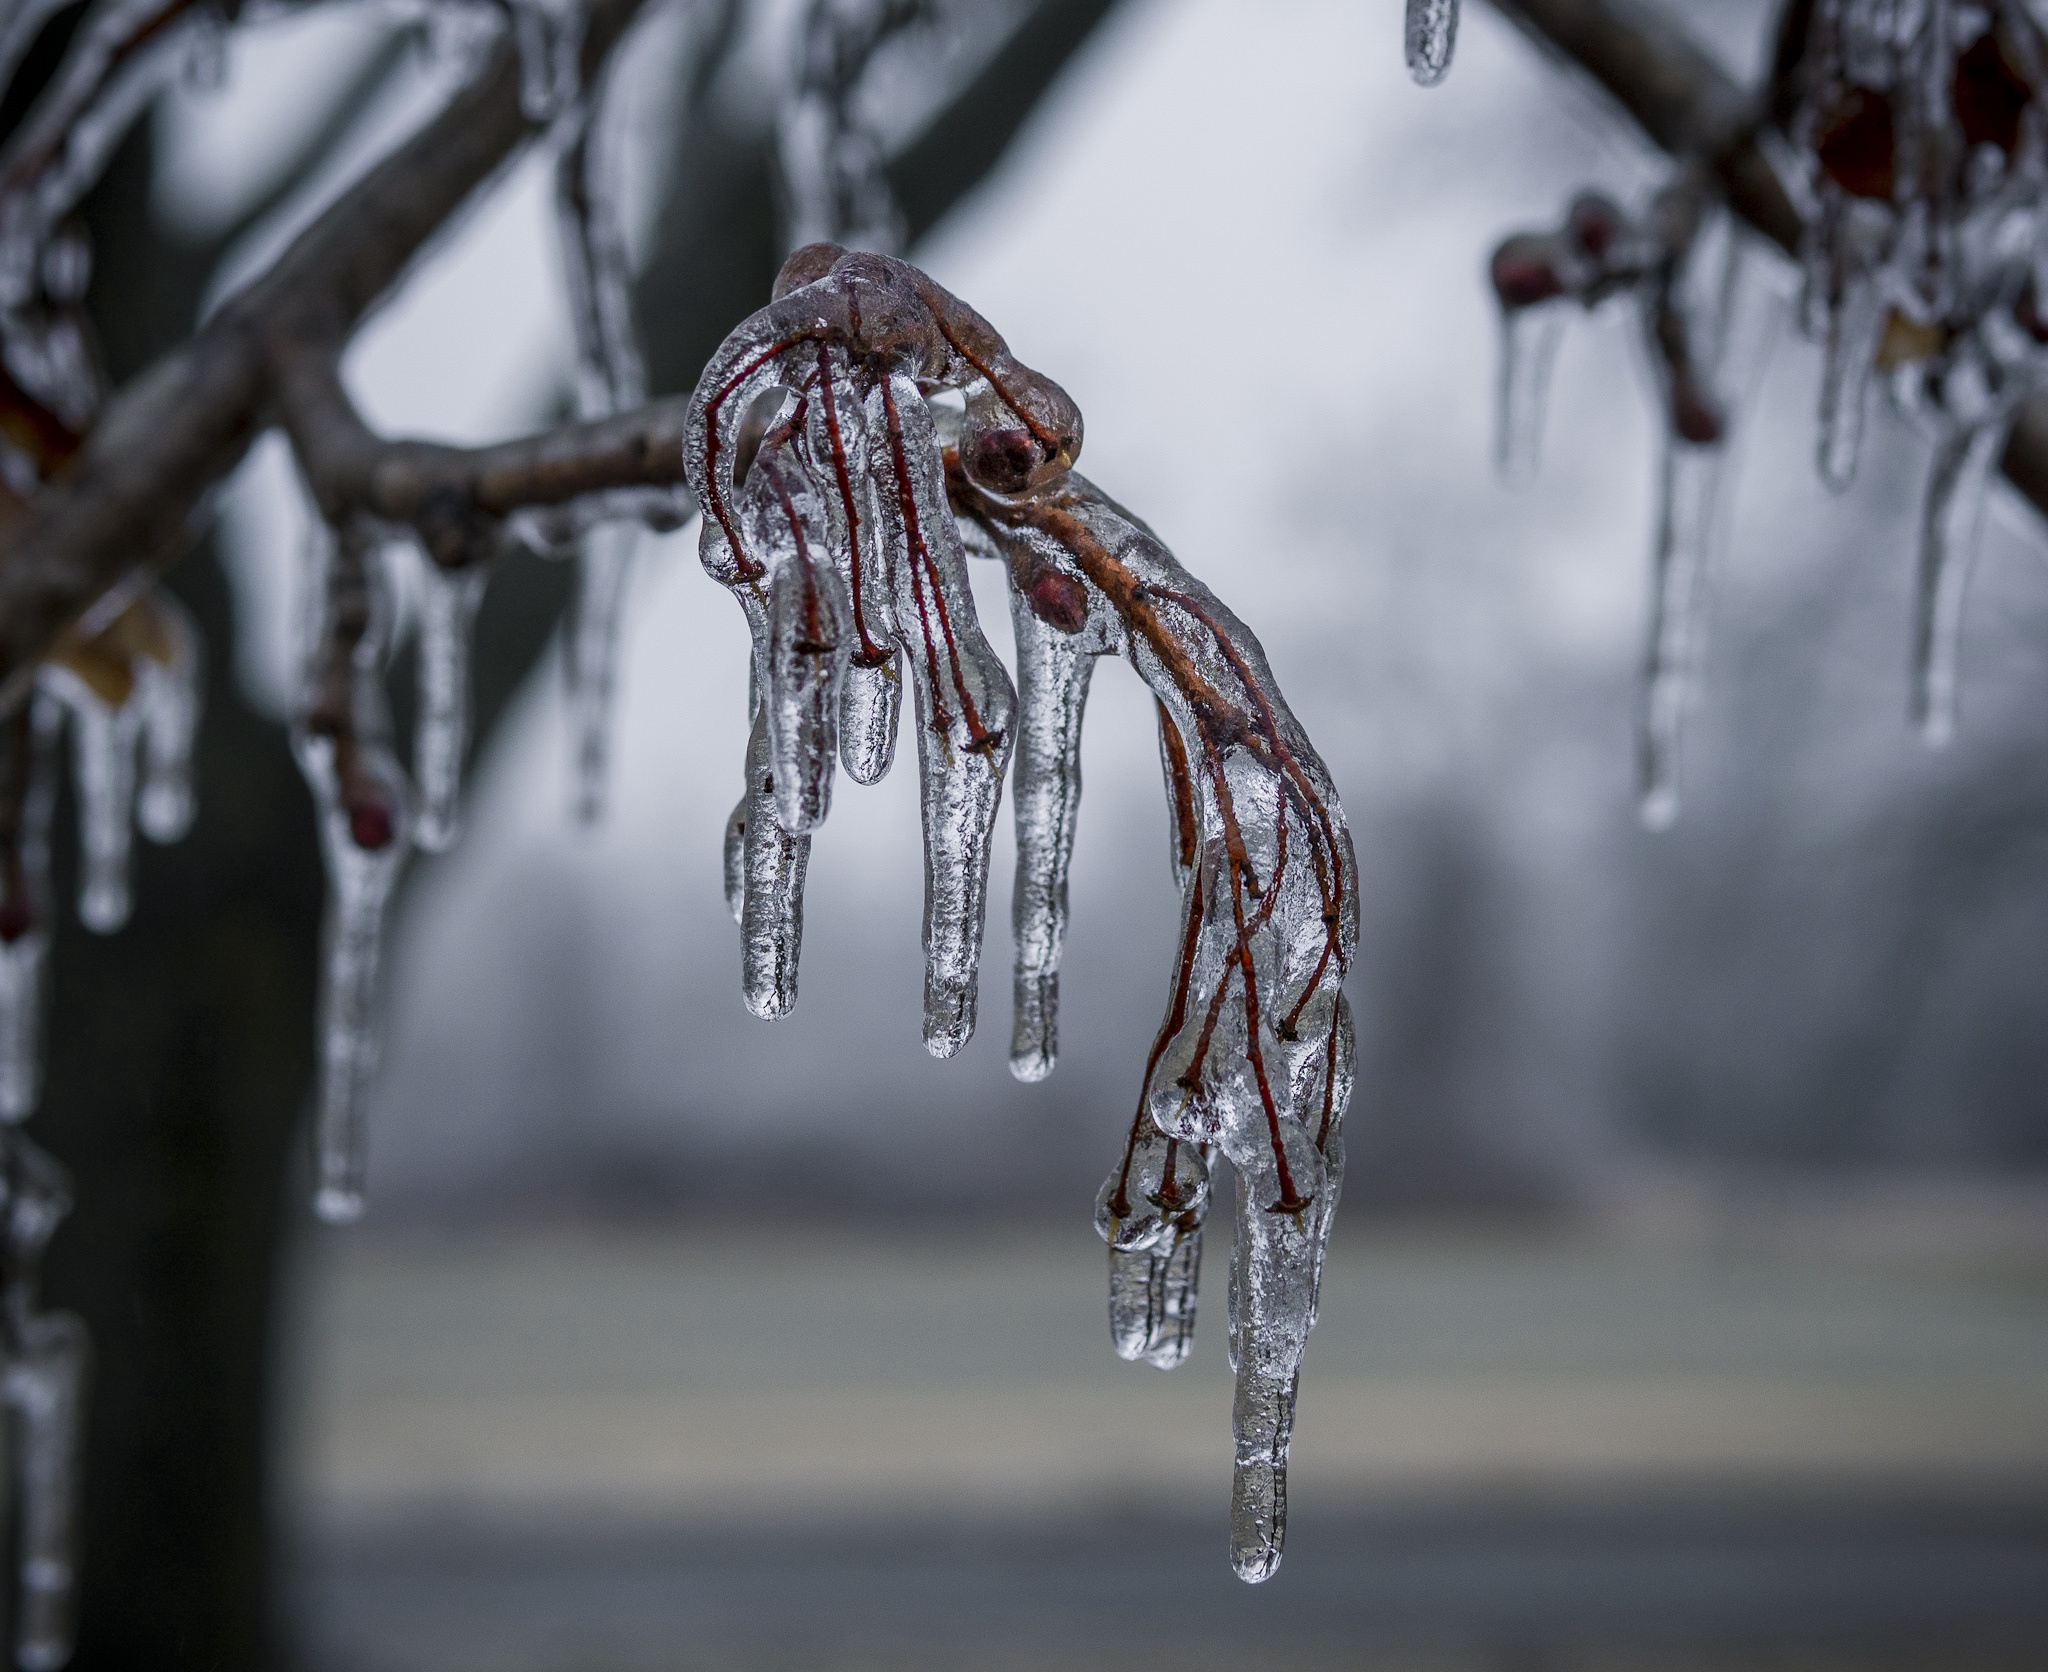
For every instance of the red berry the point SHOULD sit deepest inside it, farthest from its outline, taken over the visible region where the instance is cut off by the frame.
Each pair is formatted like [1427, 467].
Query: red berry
[1857, 147]
[370, 826]
[1990, 96]
[1524, 273]
[1594, 220]
[1058, 600]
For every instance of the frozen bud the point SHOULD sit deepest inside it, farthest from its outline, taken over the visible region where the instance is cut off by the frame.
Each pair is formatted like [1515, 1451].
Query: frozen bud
[1595, 222]
[1158, 1183]
[1991, 94]
[1857, 145]
[1525, 272]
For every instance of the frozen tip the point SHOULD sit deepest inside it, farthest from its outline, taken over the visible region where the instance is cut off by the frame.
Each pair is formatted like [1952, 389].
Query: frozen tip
[772, 1005]
[948, 1019]
[1031, 1063]
[42, 1654]
[1426, 74]
[1658, 808]
[338, 1205]
[1171, 1355]
[436, 832]
[1255, 1563]
[164, 811]
[103, 908]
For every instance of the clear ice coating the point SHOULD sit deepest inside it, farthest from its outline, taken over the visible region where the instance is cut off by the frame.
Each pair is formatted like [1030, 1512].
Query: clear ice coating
[364, 810]
[840, 504]
[42, 1379]
[1431, 37]
[448, 606]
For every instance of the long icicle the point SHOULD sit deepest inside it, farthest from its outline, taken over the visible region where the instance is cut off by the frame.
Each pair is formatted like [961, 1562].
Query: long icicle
[46, 1359]
[1951, 523]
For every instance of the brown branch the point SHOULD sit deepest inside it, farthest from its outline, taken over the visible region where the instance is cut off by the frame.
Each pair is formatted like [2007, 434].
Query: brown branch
[1690, 107]
[129, 501]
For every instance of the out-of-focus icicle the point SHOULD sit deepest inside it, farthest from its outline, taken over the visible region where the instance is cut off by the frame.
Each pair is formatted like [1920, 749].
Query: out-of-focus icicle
[1432, 36]
[1853, 325]
[448, 604]
[966, 708]
[832, 161]
[28, 791]
[365, 817]
[43, 1379]
[106, 724]
[611, 376]
[549, 37]
[1965, 460]
[1690, 487]
[167, 690]
[1529, 339]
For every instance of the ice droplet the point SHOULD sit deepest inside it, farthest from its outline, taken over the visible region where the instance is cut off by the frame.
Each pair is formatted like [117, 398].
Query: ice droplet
[1432, 36]
[1529, 339]
[448, 604]
[1965, 460]
[46, 1356]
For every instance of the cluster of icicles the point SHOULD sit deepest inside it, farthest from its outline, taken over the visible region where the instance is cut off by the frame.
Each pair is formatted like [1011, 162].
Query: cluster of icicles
[1912, 136]
[128, 697]
[842, 493]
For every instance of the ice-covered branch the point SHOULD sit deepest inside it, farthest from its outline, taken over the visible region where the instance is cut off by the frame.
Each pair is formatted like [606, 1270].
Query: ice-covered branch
[1688, 105]
[840, 505]
[127, 502]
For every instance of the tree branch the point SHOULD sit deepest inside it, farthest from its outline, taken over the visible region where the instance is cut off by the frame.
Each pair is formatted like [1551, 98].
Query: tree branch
[1684, 102]
[128, 502]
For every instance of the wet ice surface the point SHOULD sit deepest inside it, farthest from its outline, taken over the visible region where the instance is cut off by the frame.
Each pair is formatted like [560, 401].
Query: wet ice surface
[630, 1449]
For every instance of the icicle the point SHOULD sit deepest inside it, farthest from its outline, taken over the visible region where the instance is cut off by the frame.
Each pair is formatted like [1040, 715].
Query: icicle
[604, 564]
[1150, 1211]
[30, 787]
[448, 606]
[1272, 1305]
[1529, 339]
[1965, 460]
[1053, 669]
[167, 691]
[871, 688]
[43, 1381]
[365, 829]
[966, 708]
[1691, 485]
[610, 377]
[364, 813]
[1853, 328]
[736, 860]
[803, 638]
[549, 36]
[106, 724]
[1432, 35]
[772, 866]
